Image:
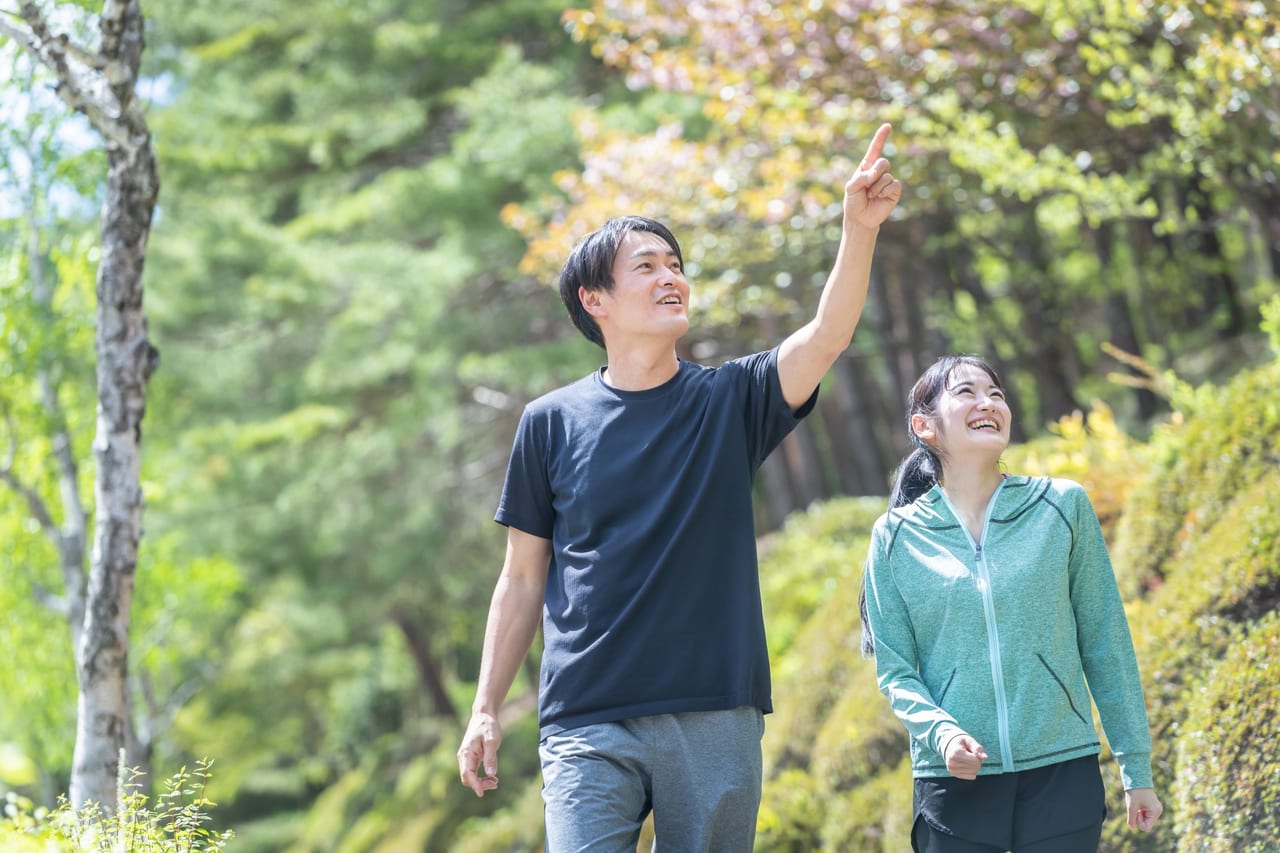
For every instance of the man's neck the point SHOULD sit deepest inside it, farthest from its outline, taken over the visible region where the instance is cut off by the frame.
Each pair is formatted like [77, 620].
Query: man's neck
[637, 369]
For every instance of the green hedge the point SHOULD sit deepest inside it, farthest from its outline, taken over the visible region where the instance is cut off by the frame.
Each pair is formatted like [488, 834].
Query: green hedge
[1221, 441]
[1227, 789]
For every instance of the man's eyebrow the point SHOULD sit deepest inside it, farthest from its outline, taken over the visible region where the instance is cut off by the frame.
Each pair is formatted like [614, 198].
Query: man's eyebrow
[638, 253]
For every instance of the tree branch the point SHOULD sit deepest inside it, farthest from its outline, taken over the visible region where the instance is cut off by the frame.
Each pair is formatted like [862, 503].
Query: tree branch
[86, 80]
[35, 504]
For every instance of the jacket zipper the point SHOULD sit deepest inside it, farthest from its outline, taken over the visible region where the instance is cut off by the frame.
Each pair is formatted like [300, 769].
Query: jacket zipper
[997, 664]
[993, 633]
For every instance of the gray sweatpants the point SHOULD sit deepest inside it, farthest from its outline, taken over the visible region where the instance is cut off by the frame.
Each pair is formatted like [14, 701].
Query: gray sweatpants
[698, 772]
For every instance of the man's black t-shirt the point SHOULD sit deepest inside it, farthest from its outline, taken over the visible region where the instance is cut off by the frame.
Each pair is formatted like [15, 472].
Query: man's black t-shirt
[653, 598]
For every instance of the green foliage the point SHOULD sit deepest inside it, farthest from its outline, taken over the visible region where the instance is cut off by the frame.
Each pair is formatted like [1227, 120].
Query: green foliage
[39, 682]
[1220, 441]
[517, 828]
[174, 822]
[1222, 576]
[1225, 578]
[1227, 788]
[1271, 324]
[803, 563]
[791, 812]
[401, 799]
[1089, 448]
[1061, 164]
[875, 816]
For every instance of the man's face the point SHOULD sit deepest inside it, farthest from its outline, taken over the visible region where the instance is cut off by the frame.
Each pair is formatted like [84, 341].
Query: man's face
[650, 295]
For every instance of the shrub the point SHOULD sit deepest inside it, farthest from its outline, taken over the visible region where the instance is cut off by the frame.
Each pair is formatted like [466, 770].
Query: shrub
[812, 675]
[1220, 440]
[875, 816]
[860, 737]
[1221, 580]
[803, 563]
[791, 813]
[1090, 449]
[517, 828]
[1227, 789]
[173, 823]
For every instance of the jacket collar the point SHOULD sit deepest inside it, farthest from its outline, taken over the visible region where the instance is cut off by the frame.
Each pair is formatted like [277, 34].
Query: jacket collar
[1013, 497]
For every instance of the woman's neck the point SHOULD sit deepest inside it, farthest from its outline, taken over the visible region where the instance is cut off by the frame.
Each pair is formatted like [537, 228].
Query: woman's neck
[969, 488]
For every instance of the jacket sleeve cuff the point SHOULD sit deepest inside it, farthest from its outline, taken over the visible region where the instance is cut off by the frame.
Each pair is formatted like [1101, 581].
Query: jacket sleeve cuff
[1135, 770]
[943, 735]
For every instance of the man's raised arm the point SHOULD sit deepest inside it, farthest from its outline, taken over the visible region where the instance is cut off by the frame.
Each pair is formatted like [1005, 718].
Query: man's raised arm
[808, 353]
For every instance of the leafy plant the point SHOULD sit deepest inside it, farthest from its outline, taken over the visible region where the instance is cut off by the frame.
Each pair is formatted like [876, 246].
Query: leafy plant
[174, 823]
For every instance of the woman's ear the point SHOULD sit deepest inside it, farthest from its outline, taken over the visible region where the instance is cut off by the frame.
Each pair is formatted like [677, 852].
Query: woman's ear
[922, 427]
[592, 300]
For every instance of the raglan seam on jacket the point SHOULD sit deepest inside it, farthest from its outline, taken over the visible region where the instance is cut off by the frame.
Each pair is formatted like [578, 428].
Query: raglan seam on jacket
[1071, 528]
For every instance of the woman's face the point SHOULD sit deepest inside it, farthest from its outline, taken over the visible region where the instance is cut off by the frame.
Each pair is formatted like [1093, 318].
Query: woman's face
[971, 416]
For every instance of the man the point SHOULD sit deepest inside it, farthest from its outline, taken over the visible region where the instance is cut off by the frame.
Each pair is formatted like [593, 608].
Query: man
[628, 508]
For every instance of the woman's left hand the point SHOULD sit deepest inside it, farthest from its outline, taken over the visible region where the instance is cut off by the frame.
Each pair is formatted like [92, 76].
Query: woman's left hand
[1144, 808]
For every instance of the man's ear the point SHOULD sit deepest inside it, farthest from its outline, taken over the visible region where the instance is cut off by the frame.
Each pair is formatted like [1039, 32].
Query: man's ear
[922, 427]
[592, 300]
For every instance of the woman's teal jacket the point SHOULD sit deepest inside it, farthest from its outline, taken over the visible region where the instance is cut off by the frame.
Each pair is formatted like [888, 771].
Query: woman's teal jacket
[997, 638]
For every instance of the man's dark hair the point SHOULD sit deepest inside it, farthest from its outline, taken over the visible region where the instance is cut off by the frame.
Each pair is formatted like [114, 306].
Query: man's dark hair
[590, 266]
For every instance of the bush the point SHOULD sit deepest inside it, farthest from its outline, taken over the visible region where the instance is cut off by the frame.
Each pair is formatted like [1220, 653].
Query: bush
[818, 666]
[875, 816]
[802, 564]
[1220, 441]
[791, 813]
[174, 822]
[860, 737]
[1226, 577]
[1090, 449]
[1219, 573]
[1227, 790]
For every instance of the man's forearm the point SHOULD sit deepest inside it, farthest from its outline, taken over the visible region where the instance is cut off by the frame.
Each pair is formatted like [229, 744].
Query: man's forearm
[845, 293]
[513, 621]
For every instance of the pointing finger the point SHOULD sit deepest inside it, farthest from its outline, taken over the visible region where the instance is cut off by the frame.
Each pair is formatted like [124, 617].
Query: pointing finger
[876, 146]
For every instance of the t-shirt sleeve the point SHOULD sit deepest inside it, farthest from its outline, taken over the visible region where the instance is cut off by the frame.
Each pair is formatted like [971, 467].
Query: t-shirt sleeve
[769, 418]
[526, 501]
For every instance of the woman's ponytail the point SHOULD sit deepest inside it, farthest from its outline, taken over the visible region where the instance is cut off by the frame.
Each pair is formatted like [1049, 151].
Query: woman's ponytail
[917, 474]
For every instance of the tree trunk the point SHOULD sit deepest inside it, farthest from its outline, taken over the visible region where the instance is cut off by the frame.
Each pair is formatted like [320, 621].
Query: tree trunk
[1124, 332]
[800, 452]
[1051, 357]
[775, 480]
[856, 426]
[126, 360]
[101, 85]
[429, 675]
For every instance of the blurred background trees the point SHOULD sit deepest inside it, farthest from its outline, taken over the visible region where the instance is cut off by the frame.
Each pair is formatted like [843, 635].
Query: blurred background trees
[351, 281]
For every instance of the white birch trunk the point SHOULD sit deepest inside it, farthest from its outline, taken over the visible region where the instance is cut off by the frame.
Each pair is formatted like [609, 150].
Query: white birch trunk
[126, 359]
[102, 86]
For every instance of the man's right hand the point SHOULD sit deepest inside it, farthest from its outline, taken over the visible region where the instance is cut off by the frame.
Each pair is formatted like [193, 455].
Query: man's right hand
[479, 751]
[964, 757]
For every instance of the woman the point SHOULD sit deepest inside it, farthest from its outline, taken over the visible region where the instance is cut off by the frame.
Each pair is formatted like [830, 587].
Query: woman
[988, 601]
